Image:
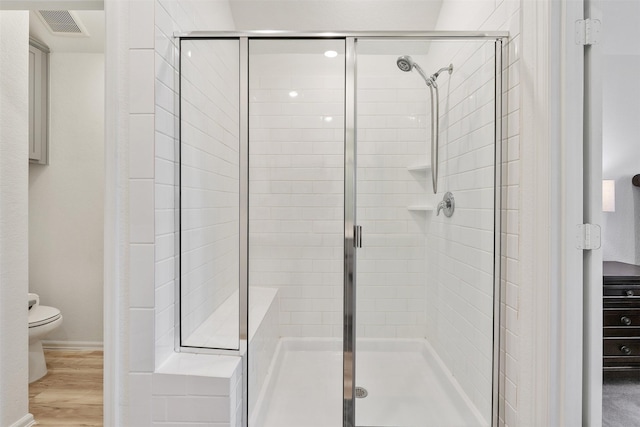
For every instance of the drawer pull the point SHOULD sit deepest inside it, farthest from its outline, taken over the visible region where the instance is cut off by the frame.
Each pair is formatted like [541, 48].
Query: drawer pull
[625, 320]
[624, 349]
[629, 293]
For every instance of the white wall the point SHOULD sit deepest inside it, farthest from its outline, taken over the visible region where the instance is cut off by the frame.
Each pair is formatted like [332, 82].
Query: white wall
[620, 128]
[66, 200]
[14, 140]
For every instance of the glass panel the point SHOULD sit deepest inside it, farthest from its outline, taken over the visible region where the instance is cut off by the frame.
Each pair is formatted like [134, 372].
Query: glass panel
[425, 281]
[209, 194]
[296, 190]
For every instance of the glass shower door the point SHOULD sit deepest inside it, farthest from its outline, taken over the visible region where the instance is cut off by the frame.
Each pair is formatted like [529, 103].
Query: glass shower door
[425, 280]
[296, 172]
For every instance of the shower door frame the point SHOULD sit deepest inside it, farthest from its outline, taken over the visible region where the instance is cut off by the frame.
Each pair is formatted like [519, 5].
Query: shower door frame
[350, 191]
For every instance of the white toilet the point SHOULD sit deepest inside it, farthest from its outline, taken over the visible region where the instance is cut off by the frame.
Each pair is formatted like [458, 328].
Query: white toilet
[42, 320]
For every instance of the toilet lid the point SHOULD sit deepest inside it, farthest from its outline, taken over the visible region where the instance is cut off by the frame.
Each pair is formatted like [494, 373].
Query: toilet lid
[42, 315]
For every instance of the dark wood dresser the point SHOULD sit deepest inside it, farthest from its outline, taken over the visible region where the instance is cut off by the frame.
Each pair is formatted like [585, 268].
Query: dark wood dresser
[621, 319]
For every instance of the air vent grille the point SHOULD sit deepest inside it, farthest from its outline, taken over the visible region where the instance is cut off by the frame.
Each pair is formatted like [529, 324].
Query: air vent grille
[61, 22]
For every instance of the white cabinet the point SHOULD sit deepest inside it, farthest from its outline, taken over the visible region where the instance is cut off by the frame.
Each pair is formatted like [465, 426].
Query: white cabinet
[38, 103]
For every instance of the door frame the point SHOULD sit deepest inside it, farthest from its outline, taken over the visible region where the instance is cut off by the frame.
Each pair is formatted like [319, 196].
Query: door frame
[593, 297]
[350, 223]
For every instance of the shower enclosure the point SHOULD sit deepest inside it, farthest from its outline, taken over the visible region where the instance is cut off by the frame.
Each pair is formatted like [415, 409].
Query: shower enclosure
[311, 242]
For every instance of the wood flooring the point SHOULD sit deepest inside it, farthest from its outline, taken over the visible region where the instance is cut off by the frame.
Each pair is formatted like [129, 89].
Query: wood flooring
[71, 393]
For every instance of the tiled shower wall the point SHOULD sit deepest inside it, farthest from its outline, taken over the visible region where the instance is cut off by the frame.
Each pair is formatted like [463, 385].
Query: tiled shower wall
[296, 184]
[152, 122]
[171, 16]
[460, 254]
[392, 135]
[296, 193]
[210, 181]
[506, 15]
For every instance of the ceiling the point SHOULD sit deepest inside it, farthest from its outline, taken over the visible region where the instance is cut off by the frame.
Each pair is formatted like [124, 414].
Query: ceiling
[336, 15]
[91, 20]
[295, 15]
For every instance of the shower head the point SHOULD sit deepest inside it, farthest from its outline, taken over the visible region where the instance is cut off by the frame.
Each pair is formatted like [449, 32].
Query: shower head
[406, 64]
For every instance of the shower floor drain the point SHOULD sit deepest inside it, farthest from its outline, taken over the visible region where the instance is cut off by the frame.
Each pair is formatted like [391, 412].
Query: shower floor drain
[361, 392]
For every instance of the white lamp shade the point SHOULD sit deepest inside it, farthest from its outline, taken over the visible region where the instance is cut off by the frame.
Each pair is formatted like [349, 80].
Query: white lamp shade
[608, 195]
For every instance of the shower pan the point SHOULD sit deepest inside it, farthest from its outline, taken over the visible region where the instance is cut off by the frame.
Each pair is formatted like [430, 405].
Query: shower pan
[309, 240]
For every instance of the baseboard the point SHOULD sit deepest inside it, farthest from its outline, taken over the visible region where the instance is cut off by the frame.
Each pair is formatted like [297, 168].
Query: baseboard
[26, 421]
[72, 345]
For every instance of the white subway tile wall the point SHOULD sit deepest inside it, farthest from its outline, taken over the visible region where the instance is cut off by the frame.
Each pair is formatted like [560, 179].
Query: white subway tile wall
[142, 205]
[152, 192]
[511, 281]
[392, 135]
[264, 333]
[296, 121]
[505, 16]
[198, 389]
[210, 184]
[460, 256]
[165, 155]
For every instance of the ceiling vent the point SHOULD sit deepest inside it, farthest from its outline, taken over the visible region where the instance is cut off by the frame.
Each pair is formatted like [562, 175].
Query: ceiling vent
[63, 23]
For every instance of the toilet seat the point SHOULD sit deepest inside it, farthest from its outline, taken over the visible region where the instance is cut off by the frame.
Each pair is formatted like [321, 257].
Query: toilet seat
[42, 315]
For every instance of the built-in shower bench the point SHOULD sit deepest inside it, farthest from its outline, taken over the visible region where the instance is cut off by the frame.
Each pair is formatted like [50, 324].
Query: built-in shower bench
[210, 385]
[202, 387]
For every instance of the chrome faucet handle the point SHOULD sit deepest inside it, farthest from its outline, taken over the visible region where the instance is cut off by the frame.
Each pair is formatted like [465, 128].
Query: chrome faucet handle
[447, 205]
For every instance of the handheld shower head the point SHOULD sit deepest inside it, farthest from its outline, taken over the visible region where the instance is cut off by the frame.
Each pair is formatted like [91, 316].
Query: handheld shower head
[405, 63]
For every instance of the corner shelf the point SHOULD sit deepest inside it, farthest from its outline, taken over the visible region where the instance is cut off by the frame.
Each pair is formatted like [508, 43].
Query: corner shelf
[419, 168]
[420, 208]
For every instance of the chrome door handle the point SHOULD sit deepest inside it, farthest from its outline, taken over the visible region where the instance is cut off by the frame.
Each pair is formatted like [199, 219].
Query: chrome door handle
[357, 236]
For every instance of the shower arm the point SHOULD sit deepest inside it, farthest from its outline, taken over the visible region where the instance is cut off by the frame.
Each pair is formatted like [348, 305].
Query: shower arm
[435, 75]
